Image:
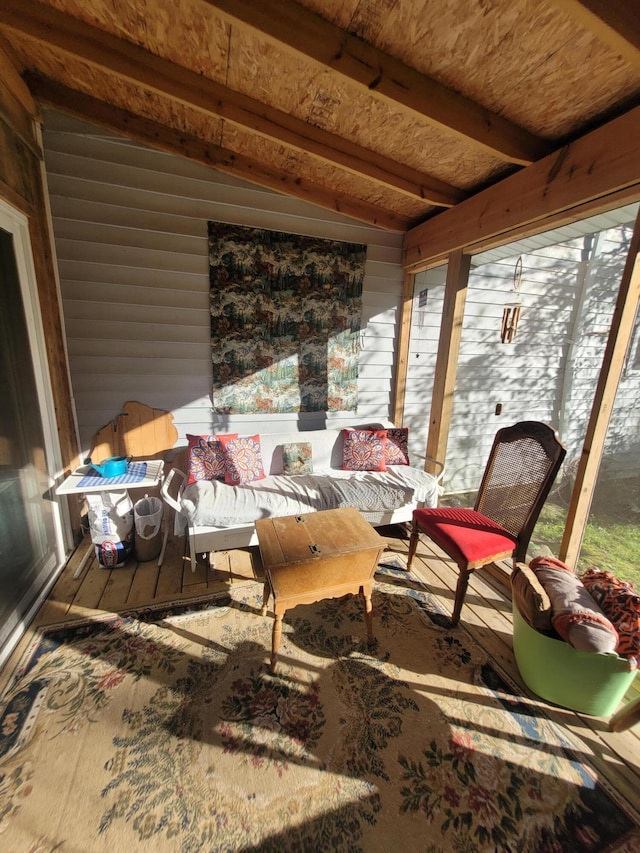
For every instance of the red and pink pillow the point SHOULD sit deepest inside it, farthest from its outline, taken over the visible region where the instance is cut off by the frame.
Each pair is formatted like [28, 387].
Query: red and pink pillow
[243, 459]
[396, 451]
[230, 458]
[364, 449]
[207, 460]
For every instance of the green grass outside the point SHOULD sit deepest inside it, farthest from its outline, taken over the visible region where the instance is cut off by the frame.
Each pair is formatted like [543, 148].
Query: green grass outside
[611, 542]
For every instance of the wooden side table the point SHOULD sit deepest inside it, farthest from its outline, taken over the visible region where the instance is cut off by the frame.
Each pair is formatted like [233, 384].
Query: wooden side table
[318, 555]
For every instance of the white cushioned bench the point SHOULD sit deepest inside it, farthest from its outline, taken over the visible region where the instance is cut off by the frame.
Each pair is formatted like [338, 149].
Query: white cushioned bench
[221, 517]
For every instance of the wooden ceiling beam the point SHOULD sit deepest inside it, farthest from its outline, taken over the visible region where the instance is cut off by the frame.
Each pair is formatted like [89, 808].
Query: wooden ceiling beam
[615, 22]
[10, 71]
[302, 31]
[17, 107]
[149, 71]
[159, 136]
[600, 163]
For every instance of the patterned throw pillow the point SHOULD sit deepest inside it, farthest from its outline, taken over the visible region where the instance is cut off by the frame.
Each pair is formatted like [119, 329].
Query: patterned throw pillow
[363, 450]
[297, 458]
[244, 459]
[576, 616]
[396, 451]
[622, 605]
[531, 598]
[207, 459]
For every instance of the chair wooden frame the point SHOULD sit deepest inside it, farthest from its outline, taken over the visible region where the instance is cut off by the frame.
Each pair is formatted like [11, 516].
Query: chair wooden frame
[523, 463]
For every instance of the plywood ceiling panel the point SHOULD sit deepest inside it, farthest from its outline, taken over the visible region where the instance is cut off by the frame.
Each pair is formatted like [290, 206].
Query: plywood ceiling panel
[297, 163]
[325, 100]
[455, 97]
[525, 60]
[187, 32]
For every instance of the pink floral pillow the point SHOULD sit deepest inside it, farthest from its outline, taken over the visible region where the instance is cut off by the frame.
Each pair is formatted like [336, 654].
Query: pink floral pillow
[244, 459]
[363, 449]
[396, 451]
[207, 460]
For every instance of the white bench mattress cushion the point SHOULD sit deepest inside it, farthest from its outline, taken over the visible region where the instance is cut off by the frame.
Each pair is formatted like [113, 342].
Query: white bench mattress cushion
[211, 503]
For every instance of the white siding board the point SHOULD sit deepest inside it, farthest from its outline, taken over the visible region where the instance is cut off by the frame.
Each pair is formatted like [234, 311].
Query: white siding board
[112, 401]
[92, 366]
[80, 271]
[114, 331]
[128, 314]
[104, 349]
[125, 294]
[167, 177]
[376, 358]
[251, 211]
[151, 259]
[96, 212]
[136, 238]
[191, 386]
[380, 298]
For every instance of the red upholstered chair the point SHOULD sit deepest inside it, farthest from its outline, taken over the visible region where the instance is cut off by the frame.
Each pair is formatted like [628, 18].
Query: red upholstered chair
[523, 463]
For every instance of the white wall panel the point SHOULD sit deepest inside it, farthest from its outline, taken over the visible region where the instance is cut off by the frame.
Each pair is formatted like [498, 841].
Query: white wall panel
[130, 228]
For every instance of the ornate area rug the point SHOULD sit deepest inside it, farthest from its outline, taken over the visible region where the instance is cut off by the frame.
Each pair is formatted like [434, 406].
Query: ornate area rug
[165, 731]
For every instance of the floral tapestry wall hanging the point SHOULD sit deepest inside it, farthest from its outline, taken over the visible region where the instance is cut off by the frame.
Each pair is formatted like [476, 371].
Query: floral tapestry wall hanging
[285, 321]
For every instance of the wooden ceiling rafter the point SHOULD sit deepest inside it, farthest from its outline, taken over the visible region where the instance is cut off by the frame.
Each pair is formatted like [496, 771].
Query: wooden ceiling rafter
[182, 144]
[11, 70]
[298, 29]
[603, 162]
[17, 107]
[130, 62]
[615, 22]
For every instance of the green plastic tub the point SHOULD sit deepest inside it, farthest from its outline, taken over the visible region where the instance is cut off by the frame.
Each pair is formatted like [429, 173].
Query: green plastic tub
[555, 671]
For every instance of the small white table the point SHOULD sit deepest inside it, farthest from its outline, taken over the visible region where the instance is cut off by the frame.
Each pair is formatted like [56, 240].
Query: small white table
[71, 486]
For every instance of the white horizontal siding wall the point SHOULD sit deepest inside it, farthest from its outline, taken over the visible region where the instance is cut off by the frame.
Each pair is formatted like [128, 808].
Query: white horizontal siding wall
[530, 378]
[130, 228]
[622, 444]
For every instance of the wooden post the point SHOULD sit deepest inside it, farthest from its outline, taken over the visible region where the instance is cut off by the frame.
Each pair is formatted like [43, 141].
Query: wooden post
[455, 296]
[402, 359]
[612, 365]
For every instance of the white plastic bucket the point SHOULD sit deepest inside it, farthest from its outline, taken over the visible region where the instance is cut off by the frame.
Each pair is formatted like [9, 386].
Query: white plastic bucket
[147, 514]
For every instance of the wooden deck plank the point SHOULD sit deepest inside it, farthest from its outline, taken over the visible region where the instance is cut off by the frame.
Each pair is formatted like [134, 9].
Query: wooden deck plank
[243, 562]
[116, 591]
[195, 576]
[92, 587]
[143, 586]
[170, 576]
[219, 569]
[65, 589]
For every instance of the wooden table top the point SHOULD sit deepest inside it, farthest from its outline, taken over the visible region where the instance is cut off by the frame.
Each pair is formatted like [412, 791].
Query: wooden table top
[296, 539]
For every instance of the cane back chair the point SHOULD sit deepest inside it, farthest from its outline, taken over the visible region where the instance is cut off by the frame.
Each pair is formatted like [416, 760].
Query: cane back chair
[522, 466]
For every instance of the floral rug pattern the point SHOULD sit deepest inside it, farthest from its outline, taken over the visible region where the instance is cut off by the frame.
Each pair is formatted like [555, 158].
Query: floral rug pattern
[167, 732]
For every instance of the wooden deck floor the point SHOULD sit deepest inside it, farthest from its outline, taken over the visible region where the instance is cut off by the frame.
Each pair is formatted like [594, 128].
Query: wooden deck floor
[486, 615]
